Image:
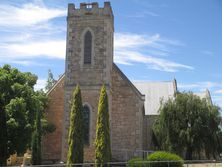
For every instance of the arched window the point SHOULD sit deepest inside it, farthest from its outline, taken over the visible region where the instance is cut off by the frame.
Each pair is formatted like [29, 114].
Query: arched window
[86, 119]
[87, 47]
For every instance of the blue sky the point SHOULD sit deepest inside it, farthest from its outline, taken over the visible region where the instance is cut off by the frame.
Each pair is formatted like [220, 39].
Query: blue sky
[155, 40]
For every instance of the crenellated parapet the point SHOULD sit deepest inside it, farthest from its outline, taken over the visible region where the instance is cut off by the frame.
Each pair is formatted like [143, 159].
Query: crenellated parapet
[90, 9]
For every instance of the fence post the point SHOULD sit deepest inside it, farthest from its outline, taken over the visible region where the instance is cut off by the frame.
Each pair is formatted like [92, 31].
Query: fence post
[126, 155]
[168, 164]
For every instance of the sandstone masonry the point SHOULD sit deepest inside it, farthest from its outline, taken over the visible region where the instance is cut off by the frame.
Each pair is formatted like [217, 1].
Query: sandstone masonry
[126, 103]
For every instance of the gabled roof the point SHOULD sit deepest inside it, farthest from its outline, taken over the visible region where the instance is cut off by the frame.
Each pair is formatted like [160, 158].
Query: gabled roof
[154, 93]
[123, 76]
[205, 95]
[54, 86]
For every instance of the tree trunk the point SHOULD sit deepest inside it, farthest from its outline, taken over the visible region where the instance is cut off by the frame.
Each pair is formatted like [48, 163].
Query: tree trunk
[189, 153]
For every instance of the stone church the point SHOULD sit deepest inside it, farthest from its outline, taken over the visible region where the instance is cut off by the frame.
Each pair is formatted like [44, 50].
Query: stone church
[89, 63]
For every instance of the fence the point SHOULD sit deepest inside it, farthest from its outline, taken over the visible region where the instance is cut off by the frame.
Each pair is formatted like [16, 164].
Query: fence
[194, 163]
[127, 154]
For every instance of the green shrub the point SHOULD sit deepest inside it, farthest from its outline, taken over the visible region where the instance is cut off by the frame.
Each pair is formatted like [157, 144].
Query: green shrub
[167, 158]
[102, 141]
[136, 162]
[75, 136]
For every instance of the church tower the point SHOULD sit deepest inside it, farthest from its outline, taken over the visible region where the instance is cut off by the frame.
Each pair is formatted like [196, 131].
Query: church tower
[89, 61]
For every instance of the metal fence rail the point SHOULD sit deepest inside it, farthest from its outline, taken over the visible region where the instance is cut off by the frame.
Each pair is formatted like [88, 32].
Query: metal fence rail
[193, 163]
[127, 154]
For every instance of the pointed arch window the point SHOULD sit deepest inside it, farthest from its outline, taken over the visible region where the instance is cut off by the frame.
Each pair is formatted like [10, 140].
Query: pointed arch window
[87, 47]
[86, 119]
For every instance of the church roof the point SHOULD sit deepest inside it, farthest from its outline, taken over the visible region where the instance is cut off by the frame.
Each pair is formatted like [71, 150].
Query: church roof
[205, 95]
[55, 85]
[154, 93]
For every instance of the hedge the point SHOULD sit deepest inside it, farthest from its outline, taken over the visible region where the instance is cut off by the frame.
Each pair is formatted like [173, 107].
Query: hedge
[136, 162]
[157, 159]
[167, 158]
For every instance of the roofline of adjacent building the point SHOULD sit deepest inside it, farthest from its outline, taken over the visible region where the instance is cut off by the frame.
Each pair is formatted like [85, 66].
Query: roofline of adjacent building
[54, 86]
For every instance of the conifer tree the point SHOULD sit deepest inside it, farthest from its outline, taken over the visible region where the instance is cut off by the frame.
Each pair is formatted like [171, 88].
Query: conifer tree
[3, 135]
[102, 142]
[76, 139]
[36, 141]
[50, 81]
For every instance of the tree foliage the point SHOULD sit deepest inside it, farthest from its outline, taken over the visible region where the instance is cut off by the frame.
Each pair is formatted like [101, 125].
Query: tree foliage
[36, 141]
[3, 133]
[19, 103]
[188, 124]
[163, 159]
[157, 159]
[137, 162]
[102, 142]
[76, 139]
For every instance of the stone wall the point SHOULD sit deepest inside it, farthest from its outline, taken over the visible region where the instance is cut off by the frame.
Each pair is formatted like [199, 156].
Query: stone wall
[91, 99]
[127, 116]
[52, 143]
[148, 124]
[90, 77]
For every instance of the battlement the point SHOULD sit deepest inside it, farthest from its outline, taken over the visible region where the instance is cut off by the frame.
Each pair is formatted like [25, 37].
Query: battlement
[90, 9]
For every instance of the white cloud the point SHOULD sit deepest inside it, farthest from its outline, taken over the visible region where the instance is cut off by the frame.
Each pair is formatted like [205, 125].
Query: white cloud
[135, 48]
[187, 86]
[207, 52]
[27, 32]
[130, 57]
[199, 85]
[129, 48]
[130, 40]
[217, 100]
[127, 51]
[142, 14]
[127, 40]
[27, 15]
[41, 83]
[29, 50]
[218, 91]
[151, 13]
[23, 62]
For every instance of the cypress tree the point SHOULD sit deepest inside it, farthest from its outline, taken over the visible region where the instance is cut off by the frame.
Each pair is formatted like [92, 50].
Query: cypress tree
[102, 142]
[36, 141]
[3, 137]
[34, 159]
[75, 138]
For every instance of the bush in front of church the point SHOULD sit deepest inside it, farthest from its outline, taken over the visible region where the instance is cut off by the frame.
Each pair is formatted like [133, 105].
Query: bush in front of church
[75, 138]
[157, 159]
[136, 162]
[163, 159]
[102, 142]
